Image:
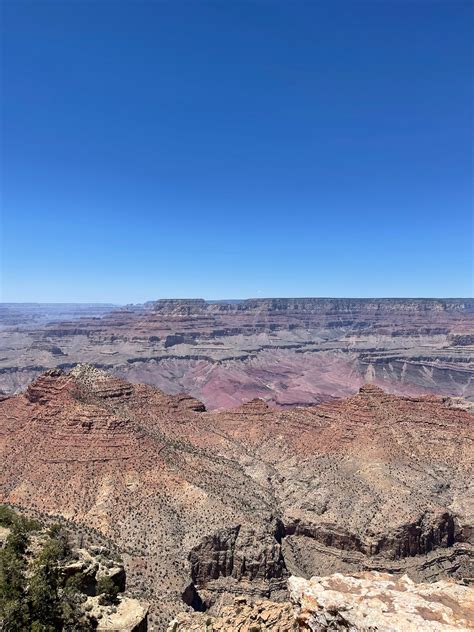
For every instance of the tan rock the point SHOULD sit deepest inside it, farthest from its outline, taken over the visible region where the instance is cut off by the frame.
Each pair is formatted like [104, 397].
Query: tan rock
[365, 602]
[130, 616]
[382, 602]
[4, 533]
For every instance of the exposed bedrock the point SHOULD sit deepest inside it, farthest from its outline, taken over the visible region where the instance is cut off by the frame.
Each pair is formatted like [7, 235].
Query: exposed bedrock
[241, 553]
[235, 560]
[421, 537]
[356, 602]
[418, 538]
[252, 561]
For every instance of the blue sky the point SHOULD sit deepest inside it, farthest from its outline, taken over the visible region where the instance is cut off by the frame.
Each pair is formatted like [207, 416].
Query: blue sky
[236, 149]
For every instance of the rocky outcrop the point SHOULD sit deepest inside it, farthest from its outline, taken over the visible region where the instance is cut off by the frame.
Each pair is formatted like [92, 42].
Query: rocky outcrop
[45, 387]
[239, 559]
[241, 616]
[361, 603]
[92, 565]
[379, 601]
[129, 615]
[90, 579]
[90, 381]
[365, 602]
[428, 533]
[461, 340]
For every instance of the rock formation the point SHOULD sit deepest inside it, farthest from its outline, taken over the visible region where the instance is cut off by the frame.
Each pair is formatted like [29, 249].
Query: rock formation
[210, 506]
[242, 616]
[286, 351]
[379, 601]
[364, 602]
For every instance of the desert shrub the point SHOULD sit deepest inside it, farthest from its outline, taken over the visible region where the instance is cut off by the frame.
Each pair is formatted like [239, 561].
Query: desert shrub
[58, 543]
[53, 550]
[107, 590]
[7, 516]
[76, 582]
[73, 617]
[43, 596]
[17, 541]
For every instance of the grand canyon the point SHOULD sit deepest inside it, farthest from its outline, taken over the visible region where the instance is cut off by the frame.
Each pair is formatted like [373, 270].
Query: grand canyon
[289, 352]
[294, 451]
[260, 465]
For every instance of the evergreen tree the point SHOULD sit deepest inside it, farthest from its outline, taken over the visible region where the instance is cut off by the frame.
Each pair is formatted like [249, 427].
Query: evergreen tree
[13, 608]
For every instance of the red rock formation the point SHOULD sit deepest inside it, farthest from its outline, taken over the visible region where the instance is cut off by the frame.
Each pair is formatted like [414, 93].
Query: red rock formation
[375, 481]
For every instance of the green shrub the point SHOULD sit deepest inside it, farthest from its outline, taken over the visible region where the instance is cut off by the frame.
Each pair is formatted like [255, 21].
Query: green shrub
[8, 518]
[107, 590]
[43, 597]
[13, 608]
[76, 582]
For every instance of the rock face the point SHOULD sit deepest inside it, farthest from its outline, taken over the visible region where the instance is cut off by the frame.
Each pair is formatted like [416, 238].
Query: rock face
[209, 506]
[365, 602]
[225, 560]
[241, 616]
[378, 601]
[286, 351]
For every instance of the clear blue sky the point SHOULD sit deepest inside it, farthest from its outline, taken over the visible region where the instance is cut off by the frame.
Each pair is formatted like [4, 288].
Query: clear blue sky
[234, 149]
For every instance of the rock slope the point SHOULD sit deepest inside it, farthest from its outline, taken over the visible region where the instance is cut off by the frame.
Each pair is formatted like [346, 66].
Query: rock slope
[208, 506]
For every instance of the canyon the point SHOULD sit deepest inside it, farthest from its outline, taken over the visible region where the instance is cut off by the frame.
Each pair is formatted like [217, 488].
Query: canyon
[289, 352]
[209, 506]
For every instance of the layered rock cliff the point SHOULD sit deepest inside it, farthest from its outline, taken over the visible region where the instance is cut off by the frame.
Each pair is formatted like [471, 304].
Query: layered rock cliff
[287, 351]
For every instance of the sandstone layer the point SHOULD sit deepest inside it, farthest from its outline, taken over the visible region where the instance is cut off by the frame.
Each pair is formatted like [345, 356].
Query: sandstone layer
[286, 351]
[207, 506]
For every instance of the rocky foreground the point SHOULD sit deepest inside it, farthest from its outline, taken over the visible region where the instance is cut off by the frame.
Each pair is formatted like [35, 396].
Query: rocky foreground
[365, 602]
[289, 352]
[210, 506]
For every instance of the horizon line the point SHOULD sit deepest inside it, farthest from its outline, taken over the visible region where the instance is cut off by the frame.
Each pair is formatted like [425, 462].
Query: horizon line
[249, 298]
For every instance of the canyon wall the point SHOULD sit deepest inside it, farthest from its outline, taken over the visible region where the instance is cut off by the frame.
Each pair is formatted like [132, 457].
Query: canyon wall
[286, 351]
